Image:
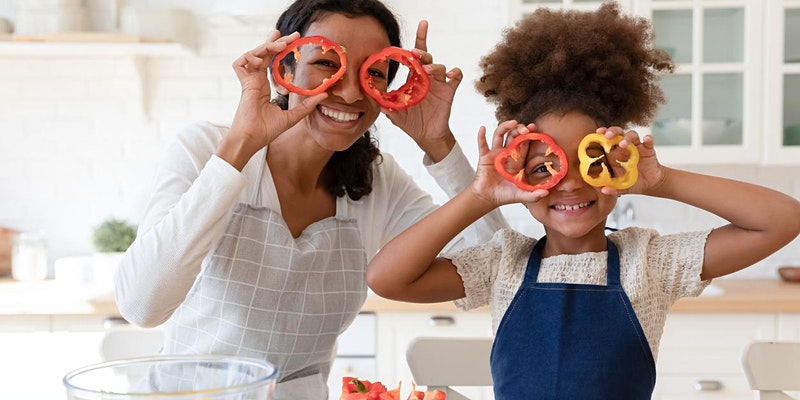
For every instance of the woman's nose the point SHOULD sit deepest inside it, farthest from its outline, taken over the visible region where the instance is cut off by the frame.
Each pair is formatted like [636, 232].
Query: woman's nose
[348, 88]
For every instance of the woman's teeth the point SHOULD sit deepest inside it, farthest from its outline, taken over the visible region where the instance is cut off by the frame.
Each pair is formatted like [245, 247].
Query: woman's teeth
[339, 116]
[571, 207]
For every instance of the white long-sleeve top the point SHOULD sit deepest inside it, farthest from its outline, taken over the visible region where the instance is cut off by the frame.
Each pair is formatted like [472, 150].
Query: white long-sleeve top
[195, 192]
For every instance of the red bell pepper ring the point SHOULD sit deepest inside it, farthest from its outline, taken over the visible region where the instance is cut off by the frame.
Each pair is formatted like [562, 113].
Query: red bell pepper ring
[602, 176]
[413, 90]
[294, 48]
[356, 389]
[519, 179]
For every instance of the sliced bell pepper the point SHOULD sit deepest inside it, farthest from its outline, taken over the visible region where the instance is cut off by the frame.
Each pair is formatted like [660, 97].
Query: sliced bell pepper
[520, 178]
[356, 389]
[413, 90]
[294, 49]
[599, 175]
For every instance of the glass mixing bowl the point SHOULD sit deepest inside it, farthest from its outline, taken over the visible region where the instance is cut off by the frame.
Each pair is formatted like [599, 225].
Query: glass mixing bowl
[192, 377]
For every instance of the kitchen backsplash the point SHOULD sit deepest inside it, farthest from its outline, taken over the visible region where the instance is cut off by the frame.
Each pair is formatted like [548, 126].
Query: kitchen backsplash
[80, 136]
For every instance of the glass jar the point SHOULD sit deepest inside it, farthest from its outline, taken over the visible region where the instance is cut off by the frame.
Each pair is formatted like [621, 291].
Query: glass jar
[28, 257]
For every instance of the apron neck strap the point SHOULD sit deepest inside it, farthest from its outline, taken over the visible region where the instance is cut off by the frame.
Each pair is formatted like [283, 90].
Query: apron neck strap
[535, 261]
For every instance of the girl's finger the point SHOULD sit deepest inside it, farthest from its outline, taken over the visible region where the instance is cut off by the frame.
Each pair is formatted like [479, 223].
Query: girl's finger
[483, 147]
[499, 138]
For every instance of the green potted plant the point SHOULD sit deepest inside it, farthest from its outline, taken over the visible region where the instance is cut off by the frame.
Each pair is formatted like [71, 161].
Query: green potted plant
[110, 239]
[114, 236]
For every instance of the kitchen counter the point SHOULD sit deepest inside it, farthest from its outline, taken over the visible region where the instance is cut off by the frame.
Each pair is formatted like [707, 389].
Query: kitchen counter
[724, 295]
[50, 297]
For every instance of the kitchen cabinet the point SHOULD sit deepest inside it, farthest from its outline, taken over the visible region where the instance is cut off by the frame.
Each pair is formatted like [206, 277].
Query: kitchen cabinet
[699, 354]
[38, 350]
[782, 108]
[397, 329]
[735, 95]
[355, 354]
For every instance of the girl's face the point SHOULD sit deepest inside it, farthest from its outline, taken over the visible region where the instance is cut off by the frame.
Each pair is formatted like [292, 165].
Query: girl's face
[347, 113]
[573, 208]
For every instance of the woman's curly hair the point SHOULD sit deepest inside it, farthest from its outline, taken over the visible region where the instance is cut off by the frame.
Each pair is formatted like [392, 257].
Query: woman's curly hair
[602, 63]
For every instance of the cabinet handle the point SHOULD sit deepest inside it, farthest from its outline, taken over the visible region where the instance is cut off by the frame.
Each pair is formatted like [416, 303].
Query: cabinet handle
[441, 320]
[707, 385]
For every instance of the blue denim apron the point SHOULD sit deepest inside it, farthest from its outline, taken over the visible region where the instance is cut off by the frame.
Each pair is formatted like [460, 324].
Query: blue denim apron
[571, 341]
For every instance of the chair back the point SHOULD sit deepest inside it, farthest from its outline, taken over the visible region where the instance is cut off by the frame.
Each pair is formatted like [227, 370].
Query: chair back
[444, 362]
[122, 343]
[772, 369]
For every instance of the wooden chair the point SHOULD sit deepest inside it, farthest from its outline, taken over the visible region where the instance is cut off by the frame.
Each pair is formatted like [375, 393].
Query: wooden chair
[444, 362]
[772, 369]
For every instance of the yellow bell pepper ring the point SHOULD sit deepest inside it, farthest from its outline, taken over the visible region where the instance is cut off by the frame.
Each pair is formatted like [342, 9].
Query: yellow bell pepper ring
[595, 168]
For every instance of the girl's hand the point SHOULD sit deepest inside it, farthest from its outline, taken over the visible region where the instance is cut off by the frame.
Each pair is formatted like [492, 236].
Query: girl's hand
[651, 173]
[488, 183]
[258, 122]
[428, 122]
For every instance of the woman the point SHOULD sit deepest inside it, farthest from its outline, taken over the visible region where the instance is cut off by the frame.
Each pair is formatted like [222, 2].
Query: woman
[257, 237]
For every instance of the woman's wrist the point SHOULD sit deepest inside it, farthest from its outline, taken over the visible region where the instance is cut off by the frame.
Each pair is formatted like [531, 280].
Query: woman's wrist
[438, 149]
[235, 151]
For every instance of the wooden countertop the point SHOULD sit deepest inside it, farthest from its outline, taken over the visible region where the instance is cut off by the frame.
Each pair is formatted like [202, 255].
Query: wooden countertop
[724, 295]
[732, 295]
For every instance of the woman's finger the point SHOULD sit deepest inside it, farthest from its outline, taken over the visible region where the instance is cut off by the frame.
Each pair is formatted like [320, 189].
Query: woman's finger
[421, 41]
[454, 76]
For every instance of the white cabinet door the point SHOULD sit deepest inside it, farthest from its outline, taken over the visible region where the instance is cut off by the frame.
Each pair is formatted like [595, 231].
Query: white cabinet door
[789, 326]
[37, 351]
[700, 354]
[396, 330]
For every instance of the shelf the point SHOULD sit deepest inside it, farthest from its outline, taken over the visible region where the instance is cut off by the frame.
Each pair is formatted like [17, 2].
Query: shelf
[87, 44]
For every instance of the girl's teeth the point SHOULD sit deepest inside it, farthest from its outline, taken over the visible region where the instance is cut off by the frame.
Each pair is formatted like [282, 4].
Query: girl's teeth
[571, 207]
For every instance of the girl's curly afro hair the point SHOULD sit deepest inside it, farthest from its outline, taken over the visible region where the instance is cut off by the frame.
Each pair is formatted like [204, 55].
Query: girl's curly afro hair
[602, 63]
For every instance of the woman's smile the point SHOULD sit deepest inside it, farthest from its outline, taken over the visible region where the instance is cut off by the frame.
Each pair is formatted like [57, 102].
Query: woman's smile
[338, 115]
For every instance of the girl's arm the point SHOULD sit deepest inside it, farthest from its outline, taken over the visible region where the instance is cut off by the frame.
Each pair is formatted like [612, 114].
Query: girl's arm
[407, 268]
[761, 220]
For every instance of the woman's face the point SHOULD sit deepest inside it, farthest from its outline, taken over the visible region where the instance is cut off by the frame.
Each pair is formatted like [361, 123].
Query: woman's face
[573, 208]
[347, 113]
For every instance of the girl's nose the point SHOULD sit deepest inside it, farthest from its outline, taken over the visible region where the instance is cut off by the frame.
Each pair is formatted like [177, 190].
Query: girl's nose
[572, 180]
[348, 88]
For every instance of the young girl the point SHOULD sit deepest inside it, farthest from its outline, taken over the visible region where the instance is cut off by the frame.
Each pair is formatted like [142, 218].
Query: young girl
[256, 239]
[578, 314]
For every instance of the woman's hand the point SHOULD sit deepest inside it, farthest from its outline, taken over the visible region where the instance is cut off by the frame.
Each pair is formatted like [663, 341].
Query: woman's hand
[488, 183]
[258, 122]
[428, 122]
[651, 173]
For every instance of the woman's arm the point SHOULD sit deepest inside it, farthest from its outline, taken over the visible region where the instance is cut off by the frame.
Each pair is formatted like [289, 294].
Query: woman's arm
[185, 216]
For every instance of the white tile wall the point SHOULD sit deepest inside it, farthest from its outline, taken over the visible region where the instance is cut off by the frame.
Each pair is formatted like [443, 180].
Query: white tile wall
[80, 136]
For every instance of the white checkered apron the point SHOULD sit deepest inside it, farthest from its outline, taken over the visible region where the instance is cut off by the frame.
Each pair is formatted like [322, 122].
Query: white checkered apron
[269, 295]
